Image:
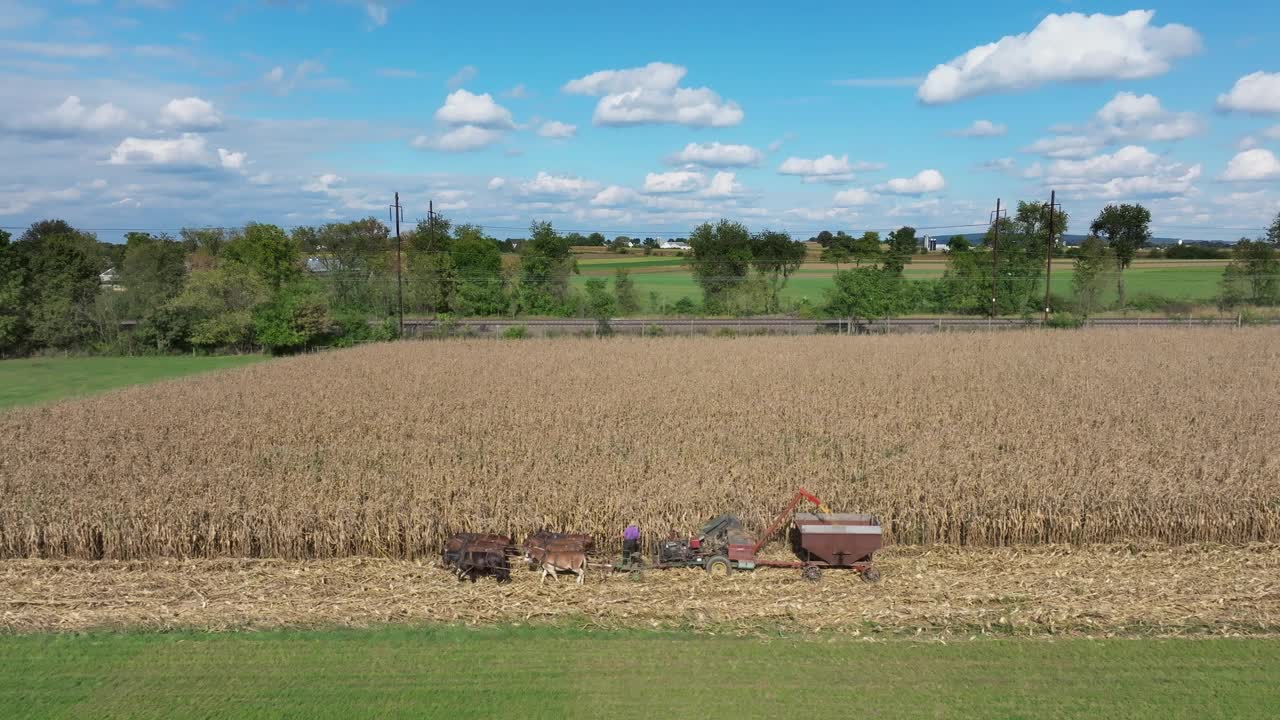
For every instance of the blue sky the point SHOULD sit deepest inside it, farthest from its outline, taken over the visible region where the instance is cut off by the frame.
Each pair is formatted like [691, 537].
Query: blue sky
[637, 118]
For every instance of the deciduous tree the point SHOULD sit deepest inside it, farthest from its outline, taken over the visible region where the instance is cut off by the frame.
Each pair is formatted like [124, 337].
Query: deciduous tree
[1126, 229]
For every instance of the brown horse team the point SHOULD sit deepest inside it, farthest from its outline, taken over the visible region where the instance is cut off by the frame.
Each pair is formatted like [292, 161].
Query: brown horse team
[471, 555]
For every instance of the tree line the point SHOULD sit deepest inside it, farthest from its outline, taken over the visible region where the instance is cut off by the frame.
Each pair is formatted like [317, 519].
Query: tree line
[260, 287]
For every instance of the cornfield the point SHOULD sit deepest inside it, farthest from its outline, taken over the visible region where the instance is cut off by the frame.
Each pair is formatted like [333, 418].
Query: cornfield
[984, 440]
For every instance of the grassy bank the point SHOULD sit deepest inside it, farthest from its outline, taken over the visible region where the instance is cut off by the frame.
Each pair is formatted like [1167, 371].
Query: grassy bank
[40, 380]
[511, 672]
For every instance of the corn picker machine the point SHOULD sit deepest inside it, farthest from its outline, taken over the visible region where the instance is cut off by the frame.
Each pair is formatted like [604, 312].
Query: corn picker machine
[824, 540]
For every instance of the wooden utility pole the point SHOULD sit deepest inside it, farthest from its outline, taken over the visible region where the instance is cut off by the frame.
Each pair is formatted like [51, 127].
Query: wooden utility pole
[1048, 257]
[995, 257]
[398, 211]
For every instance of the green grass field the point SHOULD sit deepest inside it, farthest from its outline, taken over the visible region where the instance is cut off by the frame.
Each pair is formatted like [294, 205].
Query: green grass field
[40, 380]
[557, 673]
[1192, 281]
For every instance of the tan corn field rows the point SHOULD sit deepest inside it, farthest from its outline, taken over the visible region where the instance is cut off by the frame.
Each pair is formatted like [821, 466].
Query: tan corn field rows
[986, 440]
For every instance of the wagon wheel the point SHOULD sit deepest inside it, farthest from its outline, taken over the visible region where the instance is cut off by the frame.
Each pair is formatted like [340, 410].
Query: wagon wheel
[719, 566]
[871, 575]
[812, 573]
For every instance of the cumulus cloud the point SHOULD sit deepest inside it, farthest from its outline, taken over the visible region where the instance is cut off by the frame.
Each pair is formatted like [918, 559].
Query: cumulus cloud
[651, 95]
[72, 116]
[465, 108]
[827, 168]
[323, 183]
[925, 181]
[1256, 164]
[1069, 47]
[1126, 118]
[722, 184]
[188, 151]
[678, 181]
[464, 138]
[1130, 172]
[853, 197]
[1257, 92]
[557, 129]
[497, 183]
[232, 160]
[982, 128]
[714, 154]
[613, 196]
[546, 184]
[191, 113]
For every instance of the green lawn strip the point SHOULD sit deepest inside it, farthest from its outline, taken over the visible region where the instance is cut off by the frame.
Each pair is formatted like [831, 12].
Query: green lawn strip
[40, 380]
[1192, 283]
[557, 672]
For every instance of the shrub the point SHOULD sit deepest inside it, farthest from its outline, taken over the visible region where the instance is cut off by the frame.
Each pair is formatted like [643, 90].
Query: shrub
[515, 332]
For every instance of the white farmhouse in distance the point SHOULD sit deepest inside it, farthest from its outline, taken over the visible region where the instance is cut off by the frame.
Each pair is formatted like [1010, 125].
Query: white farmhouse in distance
[673, 245]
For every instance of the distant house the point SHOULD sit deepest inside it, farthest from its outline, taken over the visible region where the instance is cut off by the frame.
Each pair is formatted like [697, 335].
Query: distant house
[673, 245]
[109, 278]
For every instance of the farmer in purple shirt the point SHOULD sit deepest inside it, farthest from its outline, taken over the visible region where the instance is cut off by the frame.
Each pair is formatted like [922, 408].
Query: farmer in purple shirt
[630, 542]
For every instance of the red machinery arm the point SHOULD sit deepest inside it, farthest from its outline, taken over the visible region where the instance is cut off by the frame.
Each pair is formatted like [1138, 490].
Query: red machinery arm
[801, 494]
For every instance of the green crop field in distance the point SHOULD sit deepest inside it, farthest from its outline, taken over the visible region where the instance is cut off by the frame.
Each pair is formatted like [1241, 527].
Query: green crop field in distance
[38, 380]
[560, 673]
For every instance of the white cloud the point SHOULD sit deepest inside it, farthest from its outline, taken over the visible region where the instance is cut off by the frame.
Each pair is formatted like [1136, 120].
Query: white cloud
[557, 129]
[519, 92]
[853, 197]
[723, 184]
[1256, 164]
[776, 145]
[1257, 92]
[376, 11]
[1130, 172]
[558, 185]
[497, 183]
[191, 113]
[1141, 117]
[678, 181]
[1272, 133]
[1004, 164]
[81, 51]
[651, 95]
[464, 138]
[21, 201]
[465, 74]
[465, 108]
[1128, 161]
[72, 116]
[982, 128]
[1069, 47]
[716, 154]
[323, 183]
[827, 167]
[188, 150]
[281, 82]
[1064, 146]
[613, 196]
[232, 160]
[925, 181]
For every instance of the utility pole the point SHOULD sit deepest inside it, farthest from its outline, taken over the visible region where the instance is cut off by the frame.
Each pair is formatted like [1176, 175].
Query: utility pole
[398, 211]
[995, 256]
[1048, 256]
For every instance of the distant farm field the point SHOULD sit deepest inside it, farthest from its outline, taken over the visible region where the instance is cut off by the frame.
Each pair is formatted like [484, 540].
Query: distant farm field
[1026, 437]
[39, 380]
[1194, 281]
